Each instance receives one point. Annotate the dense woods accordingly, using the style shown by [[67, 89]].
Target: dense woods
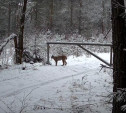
[[37, 21], [54, 20], [62, 17]]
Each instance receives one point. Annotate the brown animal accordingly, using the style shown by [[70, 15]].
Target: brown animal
[[58, 58]]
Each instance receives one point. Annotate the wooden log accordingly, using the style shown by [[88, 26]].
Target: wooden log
[[48, 54]]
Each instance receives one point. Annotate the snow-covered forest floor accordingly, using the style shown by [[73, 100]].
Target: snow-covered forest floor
[[79, 87]]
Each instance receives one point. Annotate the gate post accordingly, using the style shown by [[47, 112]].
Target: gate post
[[111, 62], [48, 54]]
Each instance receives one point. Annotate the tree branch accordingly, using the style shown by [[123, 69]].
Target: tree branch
[[12, 36]]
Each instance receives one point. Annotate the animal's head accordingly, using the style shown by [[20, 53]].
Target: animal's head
[[52, 56]]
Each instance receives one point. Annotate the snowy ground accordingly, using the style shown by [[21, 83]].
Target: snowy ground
[[79, 87]]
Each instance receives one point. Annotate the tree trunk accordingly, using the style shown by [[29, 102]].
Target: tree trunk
[[9, 18], [80, 17], [51, 14], [119, 55], [36, 15], [71, 15], [103, 13], [21, 33]]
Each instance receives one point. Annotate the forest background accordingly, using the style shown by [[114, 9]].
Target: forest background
[[58, 20]]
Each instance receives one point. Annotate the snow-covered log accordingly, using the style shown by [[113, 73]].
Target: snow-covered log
[[12, 36]]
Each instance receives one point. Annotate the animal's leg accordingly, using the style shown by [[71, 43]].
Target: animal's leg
[[56, 63], [63, 62]]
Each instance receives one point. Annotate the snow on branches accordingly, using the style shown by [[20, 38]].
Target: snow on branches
[[12, 36]]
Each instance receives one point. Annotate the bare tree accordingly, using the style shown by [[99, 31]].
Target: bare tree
[[51, 14], [103, 8], [19, 48], [80, 17], [71, 14], [9, 16]]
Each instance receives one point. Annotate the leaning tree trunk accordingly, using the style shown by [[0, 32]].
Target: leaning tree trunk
[[19, 48], [119, 55]]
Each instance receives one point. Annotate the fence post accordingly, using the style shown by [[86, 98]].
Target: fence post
[[48, 54], [111, 62]]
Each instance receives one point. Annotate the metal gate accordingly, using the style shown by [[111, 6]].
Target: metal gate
[[80, 45]]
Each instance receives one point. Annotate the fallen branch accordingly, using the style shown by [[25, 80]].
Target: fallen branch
[[12, 36], [104, 66]]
